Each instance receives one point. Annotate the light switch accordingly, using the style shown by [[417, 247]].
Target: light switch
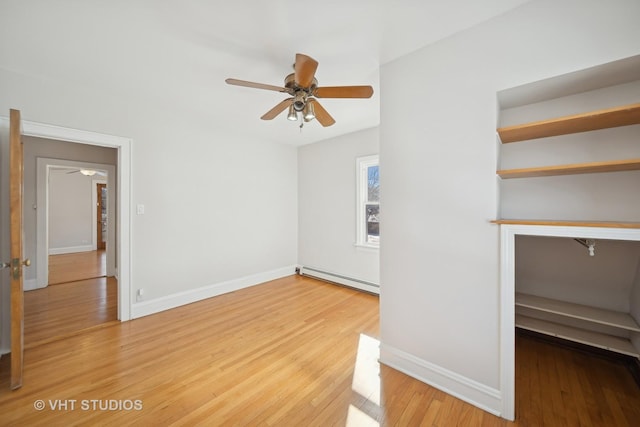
[[140, 209]]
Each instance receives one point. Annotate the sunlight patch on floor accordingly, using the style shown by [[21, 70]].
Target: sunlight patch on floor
[[358, 418], [366, 381]]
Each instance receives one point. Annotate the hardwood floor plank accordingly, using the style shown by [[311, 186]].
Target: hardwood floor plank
[[392, 385], [527, 384], [433, 409], [547, 374], [424, 401], [579, 411], [445, 417], [616, 411]]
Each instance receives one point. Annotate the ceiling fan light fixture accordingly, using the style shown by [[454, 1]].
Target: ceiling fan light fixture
[[299, 101], [309, 112], [293, 114], [87, 172]]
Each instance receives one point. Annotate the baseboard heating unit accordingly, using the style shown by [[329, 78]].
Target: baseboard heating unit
[[340, 279]]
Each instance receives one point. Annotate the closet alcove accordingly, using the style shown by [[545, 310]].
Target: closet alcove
[[568, 172]]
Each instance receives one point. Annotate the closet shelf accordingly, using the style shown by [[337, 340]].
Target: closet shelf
[[593, 120], [602, 224], [595, 339], [578, 311], [572, 169]]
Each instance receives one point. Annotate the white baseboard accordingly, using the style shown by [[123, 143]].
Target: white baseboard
[[30, 285], [340, 279], [70, 250], [486, 398], [145, 308], [4, 351]]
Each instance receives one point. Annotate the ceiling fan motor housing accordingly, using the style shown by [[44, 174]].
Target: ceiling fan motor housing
[[300, 94]]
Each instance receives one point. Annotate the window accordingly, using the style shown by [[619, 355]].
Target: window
[[368, 215]]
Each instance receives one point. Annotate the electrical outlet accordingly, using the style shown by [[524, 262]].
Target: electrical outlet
[[139, 294]]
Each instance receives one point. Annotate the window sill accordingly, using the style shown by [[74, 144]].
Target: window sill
[[366, 246]]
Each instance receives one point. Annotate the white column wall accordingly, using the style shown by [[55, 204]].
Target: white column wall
[[440, 307]]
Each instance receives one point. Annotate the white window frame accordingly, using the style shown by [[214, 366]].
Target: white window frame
[[362, 184]]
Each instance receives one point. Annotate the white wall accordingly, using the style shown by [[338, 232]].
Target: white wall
[[561, 268], [635, 305], [218, 208], [634, 295], [5, 290], [71, 218], [327, 206], [439, 261]]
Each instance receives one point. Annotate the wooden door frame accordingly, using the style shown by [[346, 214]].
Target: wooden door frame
[[95, 199], [123, 211], [16, 233]]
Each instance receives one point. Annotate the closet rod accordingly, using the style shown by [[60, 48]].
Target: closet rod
[[589, 244]]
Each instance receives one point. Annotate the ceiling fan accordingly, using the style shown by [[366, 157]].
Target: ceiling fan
[[303, 88]]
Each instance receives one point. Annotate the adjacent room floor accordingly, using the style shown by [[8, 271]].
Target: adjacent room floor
[[65, 268], [79, 297]]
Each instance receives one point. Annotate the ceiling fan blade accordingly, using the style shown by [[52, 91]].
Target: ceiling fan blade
[[344, 92], [322, 116], [305, 69], [271, 114], [244, 83]]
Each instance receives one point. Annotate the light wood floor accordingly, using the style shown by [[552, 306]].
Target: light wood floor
[[69, 308], [72, 267], [82, 298], [292, 352]]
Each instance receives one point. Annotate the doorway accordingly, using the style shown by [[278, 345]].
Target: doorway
[[122, 236], [68, 290], [508, 234], [76, 216], [121, 183], [67, 213]]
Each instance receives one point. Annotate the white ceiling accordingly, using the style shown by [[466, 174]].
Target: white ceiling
[[177, 53]]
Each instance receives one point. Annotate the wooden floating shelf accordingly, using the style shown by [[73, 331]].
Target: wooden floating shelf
[[602, 224], [578, 311], [593, 120], [572, 169], [595, 339]]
